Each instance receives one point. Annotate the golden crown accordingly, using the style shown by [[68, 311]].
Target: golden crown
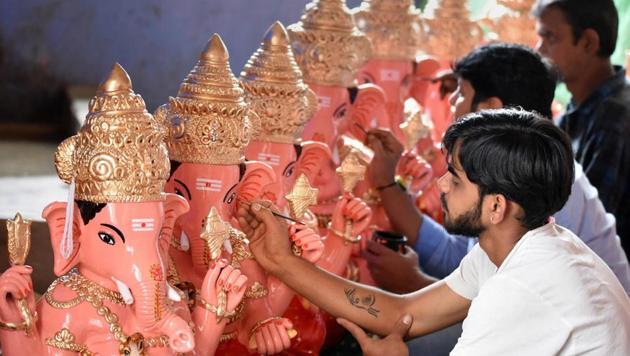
[[393, 26], [208, 121], [275, 90], [328, 47], [450, 32], [119, 154]]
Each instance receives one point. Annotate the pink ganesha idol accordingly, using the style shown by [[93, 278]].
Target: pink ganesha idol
[[329, 50], [276, 92], [395, 31], [209, 128], [109, 243]]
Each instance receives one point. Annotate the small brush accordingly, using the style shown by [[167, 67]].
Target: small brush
[[275, 214]]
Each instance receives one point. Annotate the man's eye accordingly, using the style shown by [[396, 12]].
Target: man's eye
[[106, 238]]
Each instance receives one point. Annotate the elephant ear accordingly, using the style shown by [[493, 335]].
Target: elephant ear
[[313, 157], [426, 67], [174, 207], [258, 176], [368, 109], [55, 216]]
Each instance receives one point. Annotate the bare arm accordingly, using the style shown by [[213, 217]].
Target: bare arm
[[402, 212], [432, 308], [399, 207]]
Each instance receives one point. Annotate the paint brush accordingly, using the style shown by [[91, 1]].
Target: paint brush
[[275, 214]]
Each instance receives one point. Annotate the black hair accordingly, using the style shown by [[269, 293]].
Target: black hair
[[598, 15], [513, 73], [174, 166], [298, 150], [353, 91], [518, 154], [89, 209]]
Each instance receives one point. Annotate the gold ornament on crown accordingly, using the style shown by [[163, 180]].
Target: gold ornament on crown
[[327, 45], [119, 154], [511, 21], [417, 125], [208, 122], [301, 197], [450, 32], [393, 26], [275, 90]]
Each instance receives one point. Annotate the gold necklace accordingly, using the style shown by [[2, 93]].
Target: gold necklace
[[95, 295]]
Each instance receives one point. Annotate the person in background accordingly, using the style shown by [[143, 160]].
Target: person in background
[[578, 37]]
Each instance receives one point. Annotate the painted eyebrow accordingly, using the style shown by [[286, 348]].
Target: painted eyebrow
[[228, 192], [291, 164], [185, 187], [122, 237], [339, 108], [452, 170]]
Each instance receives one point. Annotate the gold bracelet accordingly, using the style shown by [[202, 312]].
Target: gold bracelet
[[292, 333], [220, 310], [343, 235], [13, 326]]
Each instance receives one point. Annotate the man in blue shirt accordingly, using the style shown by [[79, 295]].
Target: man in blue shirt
[[578, 37], [490, 77]]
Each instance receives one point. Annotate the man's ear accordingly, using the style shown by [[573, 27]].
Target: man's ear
[[492, 102], [589, 41], [498, 208]]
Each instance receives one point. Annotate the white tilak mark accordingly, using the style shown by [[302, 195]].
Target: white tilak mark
[[124, 290]]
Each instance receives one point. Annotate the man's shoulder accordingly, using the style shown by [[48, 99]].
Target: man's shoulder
[[614, 111]]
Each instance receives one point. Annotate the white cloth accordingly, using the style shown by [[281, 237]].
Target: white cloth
[[552, 295], [585, 216]]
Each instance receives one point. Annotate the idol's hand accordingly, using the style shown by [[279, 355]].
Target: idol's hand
[[307, 242]]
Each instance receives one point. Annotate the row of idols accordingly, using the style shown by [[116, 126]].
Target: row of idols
[[147, 247]]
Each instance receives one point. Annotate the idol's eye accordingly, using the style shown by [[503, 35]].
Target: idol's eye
[[179, 192], [106, 238], [288, 172], [231, 198]]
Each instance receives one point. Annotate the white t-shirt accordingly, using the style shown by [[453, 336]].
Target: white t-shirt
[[551, 295]]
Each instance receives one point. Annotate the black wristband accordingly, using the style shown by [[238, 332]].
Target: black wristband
[[383, 187]]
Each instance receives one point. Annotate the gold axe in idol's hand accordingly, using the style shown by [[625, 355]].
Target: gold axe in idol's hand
[[19, 244], [352, 171]]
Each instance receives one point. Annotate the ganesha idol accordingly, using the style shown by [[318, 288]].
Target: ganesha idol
[[330, 50], [395, 30], [209, 127], [109, 241], [275, 90]]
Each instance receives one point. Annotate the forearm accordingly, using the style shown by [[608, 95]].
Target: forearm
[[402, 213], [368, 307], [208, 333]]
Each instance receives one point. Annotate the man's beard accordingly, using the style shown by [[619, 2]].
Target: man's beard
[[467, 224]]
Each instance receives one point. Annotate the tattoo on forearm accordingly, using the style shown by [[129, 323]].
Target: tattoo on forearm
[[366, 303]]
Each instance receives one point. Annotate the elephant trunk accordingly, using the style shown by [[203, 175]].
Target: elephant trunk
[[154, 315]]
